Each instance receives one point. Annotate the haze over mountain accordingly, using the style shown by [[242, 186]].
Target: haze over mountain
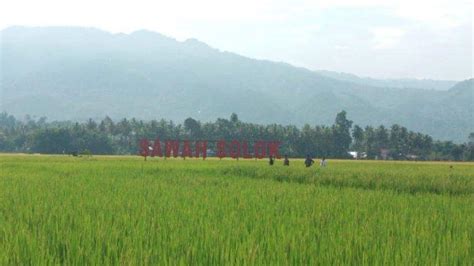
[[428, 84], [76, 73]]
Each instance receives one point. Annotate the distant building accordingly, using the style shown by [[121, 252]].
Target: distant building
[[358, 155], [210, 153]]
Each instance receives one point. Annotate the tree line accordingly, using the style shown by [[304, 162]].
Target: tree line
[[121, 137]]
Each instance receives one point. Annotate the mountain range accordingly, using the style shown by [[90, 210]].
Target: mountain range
[[73, 73]]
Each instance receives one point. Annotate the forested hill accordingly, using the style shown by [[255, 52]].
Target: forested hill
[[69, 73]]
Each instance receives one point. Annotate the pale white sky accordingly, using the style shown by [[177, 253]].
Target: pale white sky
[[382, 39]]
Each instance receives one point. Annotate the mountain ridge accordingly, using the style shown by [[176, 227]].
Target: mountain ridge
[[401, 83], [77, 73]]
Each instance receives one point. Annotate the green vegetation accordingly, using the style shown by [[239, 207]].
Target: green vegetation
[[122, 137], [110, 210]]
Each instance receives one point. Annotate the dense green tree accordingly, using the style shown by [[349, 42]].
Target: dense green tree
[[234, 118], [55, 140], [358, 136], [109, 137], [341, 135], [192, 128]]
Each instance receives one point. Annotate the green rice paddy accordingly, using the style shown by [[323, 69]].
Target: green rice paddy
[[123, 210]]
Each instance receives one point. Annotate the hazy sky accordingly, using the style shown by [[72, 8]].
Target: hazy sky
[[377, 38]]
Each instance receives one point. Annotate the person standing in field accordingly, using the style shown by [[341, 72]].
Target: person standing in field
[[309, 161], [271, 160], [286, 162], [323, 162]]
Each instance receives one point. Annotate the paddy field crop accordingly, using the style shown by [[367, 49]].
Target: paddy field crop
[[123, 210]]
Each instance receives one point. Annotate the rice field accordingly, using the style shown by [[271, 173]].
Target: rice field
[[123, 210]]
